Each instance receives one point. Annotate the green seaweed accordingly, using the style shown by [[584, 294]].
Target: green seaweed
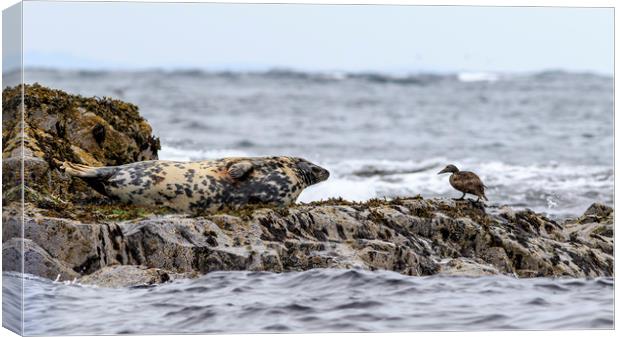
[[104, 212]]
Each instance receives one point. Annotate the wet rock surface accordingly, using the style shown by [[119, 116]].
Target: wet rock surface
[[120, 276], [35, 260], [412, 236]]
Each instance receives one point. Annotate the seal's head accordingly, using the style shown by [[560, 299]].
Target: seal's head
[[310, 173], [265, 180], [449, 169]]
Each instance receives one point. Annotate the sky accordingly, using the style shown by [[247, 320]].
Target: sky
[[317, 37]]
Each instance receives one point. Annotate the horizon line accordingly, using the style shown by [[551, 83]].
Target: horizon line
[[292, 70]]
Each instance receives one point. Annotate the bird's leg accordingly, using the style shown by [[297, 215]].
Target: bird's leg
[[480, 201]]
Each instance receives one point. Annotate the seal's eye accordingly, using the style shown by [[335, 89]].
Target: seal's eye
[[318, 172]]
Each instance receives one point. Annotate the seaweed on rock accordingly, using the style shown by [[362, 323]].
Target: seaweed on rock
[[59, 126]]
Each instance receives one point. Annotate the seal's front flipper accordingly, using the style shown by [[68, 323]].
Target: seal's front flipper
[[240, 169]]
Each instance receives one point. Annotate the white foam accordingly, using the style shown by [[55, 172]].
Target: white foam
[[477, 77], [172, 153], [338, 188]]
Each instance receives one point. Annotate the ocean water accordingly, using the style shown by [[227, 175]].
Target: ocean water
[[318, 300], [542, 141]]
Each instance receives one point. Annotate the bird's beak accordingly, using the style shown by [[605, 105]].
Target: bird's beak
[[443, 171]]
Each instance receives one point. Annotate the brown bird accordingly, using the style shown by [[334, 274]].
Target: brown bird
[[466, 182]]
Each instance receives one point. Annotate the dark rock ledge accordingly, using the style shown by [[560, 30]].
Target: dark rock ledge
[[412, 236]]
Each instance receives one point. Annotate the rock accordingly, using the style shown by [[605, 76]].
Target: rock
[[411, 236], [57, 127], [507, 212], [84, 247], [595, 228], [128, 276], [36, 260], [598, 210], [466, 267]]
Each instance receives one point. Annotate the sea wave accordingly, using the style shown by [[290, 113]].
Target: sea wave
[[372, 77], [315, 300], [478, 77]]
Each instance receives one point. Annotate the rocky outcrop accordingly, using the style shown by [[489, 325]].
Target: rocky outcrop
[[58, 126], [411, 236]]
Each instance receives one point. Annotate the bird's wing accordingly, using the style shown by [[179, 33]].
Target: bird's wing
[[471, 181]]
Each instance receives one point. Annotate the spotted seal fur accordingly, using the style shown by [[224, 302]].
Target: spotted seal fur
[[203, 185]]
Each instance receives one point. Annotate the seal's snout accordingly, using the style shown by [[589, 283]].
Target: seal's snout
[[320, 173]]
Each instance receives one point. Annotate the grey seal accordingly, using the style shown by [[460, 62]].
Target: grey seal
[[203, 185]]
